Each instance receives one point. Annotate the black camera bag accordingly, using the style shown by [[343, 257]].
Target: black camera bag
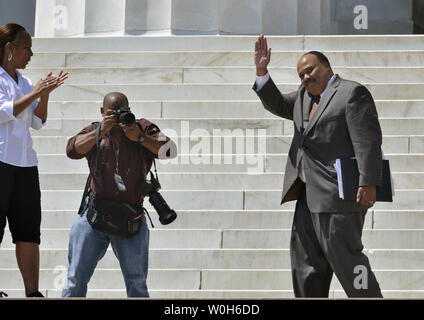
[[114, 218]]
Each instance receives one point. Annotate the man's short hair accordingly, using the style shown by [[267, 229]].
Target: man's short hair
[[321, 57]]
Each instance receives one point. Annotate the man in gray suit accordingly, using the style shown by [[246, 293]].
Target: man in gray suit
[[333, 118]]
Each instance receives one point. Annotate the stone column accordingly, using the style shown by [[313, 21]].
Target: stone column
[[45, 18], [240, 17], [69, 18], [104, 16], [309, 17], [143, 16], [194, 16], [279, 17], [60, 18]]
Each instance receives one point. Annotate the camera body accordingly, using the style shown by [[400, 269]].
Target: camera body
[[151, 188], [125, 116]]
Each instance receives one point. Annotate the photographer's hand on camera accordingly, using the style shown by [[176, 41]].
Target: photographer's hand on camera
[[85, 142], [134, 133], [109, 121]]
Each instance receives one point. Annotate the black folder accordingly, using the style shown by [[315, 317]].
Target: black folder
[[350, 181]]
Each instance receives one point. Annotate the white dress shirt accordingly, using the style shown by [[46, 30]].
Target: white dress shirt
[[15, 138]]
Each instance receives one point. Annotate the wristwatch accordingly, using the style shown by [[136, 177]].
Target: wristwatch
[[142, 135], [141, 138]]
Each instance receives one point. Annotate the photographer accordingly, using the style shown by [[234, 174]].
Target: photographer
[[127, 152]]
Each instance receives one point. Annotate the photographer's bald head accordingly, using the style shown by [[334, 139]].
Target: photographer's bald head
[[114, 101]]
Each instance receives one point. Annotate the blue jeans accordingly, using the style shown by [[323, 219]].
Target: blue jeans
[[87, 246]]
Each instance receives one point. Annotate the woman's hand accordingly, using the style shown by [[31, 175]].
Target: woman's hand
[[109, 121], [45, 86]]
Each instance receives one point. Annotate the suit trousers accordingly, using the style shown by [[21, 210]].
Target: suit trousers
[[325, 243]]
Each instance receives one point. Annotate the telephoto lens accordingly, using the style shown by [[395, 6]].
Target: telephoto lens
[[166, 214], [150, 188]]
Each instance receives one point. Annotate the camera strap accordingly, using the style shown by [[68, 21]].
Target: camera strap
[[87, 190], [99, 150], [156, 172]]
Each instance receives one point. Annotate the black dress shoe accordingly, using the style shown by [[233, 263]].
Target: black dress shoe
[[3, 294], [35, 294]]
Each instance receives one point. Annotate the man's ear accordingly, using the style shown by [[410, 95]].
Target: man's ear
[[102, 110]]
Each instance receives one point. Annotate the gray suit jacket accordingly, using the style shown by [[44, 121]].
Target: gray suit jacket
[[344, 125]]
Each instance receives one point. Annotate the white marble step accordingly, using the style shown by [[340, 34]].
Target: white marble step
[[281, 279], [141, 59], [389, 126], [198, 127], [191, 279], [416, 143], [255, 178], [233, 43], [159, 238], [107, 279], [200, 219], [248, 219], [392, 219], [240, 239], [52, 148], [282, 75], [226, 200], [392, 91], [273, 239], [211, 109], [172, 43], [91, 109], [213, 294], [270, 199], [266, 259], [186, 163], [177, 200], [179, 294], [111, 75], [390, 294], [230, 127], [255, 109]]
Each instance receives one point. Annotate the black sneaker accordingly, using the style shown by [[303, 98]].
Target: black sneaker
[[3, 294], [35, 294]]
